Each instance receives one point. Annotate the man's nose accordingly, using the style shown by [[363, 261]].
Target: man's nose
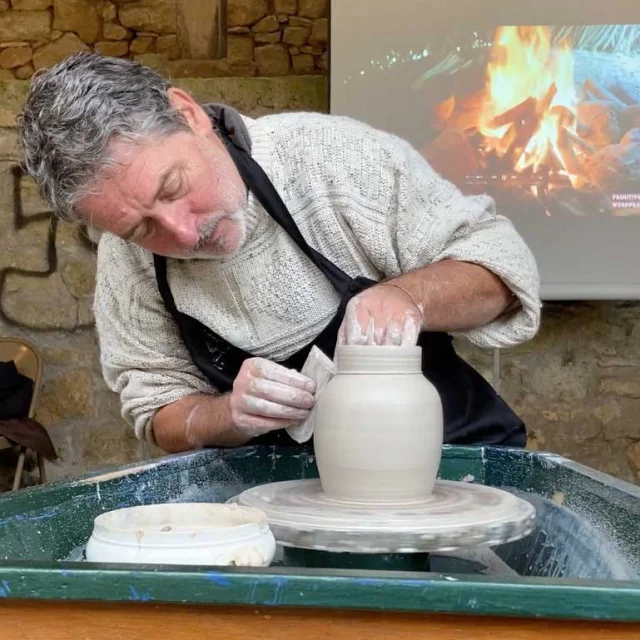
[[180, 224]]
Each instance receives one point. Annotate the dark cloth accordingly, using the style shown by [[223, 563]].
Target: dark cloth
[[16, 391], [473, 412], [28, 433]]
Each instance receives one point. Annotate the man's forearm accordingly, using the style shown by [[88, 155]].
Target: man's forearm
[[456, 296], [195, 422]]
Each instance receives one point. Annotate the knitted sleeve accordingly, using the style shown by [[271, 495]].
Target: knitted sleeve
[[142, 354], [414, 217]]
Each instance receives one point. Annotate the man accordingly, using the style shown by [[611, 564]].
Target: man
[[233, 245]]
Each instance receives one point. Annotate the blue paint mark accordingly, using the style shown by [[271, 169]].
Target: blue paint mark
[[141, 597], [378, 582], [218, 579], [280, 585], [5, 587], [21, 517], [369, 582]]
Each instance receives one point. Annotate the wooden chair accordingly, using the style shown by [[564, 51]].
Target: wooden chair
[[29, 363]]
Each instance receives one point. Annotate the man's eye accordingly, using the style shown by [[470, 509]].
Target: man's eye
[[172, 193]]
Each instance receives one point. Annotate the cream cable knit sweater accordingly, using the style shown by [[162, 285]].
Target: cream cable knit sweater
[[365, 199]]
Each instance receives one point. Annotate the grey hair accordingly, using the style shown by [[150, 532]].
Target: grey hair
[[76, 109]]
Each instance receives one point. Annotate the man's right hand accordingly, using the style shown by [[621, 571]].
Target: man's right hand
[[267, 396]]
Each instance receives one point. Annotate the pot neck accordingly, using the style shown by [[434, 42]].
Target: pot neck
[[385, 360]]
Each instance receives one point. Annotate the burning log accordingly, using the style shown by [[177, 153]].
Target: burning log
[[543, 105], [576, 139], [603, 121], [569, 159], [566, 118], [525, 110]]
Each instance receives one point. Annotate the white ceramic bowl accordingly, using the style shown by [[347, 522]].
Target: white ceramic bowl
[[183, 533]]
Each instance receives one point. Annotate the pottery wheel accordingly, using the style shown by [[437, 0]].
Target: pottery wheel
[[456, 515]]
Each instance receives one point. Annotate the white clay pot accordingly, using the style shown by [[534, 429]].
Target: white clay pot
[[185, 533], [379, 427]]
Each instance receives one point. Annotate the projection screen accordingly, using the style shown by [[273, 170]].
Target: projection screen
[[538, 105]]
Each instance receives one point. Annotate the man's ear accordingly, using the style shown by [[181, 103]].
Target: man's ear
[[191, 111]]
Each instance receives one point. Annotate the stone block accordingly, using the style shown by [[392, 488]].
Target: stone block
[[267, 25], [246, 12], [28, 26], [169, 46], [296, 21], [109, 11], [158, 16], [112, 31], [272, 60], [65, 396], [15, 57], [313, 51], [242, 68], [303, 63], [267, 38], [112, 48], [296, 36], [54, 52], [239, 49], [312, 8], [153, 60], [80, 16], [30, 5], [79, 277], [621, 387], [106, 444], [25, 72], [320, 32], [142, 45], [286, 6], [43, 303], [197, 69]]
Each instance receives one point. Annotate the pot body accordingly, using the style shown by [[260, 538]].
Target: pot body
[[183, 534], [379, 427]]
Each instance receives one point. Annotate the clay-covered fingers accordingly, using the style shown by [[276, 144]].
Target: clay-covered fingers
[[280, 393], [268, 396], [381, 316], [277, 373]]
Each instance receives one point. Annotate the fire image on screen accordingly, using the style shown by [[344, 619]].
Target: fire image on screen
[[538, 123], [542, 115]]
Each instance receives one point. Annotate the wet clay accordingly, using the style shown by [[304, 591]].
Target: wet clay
[[378, 427]]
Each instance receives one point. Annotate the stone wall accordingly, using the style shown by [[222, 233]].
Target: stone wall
[[179, 37], [47, 280]]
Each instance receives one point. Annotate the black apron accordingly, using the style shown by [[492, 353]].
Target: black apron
[[473, 411]]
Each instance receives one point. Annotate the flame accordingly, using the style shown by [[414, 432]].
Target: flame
[[530, 102]]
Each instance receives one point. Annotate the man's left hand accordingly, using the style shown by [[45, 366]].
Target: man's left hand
[[385, 315]]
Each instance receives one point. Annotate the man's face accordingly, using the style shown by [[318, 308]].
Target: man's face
[[178, 196]]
